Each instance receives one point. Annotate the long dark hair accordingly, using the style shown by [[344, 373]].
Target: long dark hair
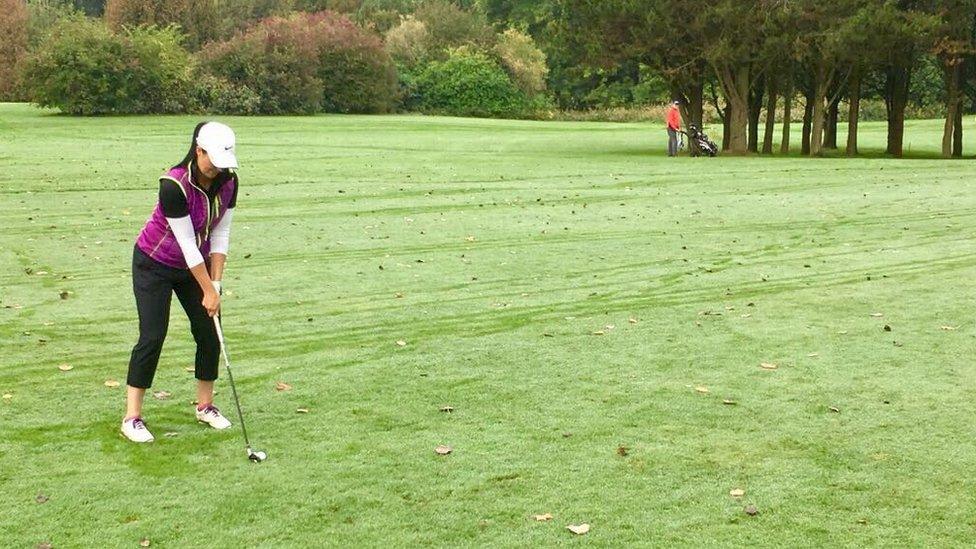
[[191, 156]]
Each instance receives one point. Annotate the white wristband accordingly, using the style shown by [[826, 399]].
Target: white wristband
[[216, 285]]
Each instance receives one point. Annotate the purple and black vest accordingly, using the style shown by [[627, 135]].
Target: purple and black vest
[[157, 240]]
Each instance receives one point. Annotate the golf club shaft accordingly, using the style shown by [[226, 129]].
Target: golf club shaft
[[230, 376]]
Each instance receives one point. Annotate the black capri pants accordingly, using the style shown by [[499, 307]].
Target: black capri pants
[[154, 285]]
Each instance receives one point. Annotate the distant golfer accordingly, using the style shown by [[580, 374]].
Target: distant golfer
[[674, 126], [182, 250]]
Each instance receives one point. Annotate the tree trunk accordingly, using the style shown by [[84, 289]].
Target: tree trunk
[[817, 119], [735, 84], [726, 128], [770, 118], [957, 136], [696, 100], [755, 112], [692, 107], [723, 115], [807, 118], [784, 147], [830, 137], [953, 104], [897, 81], [853, 114], [818, 115]]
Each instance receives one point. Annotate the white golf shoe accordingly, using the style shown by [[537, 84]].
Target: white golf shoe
[[135, 430], [212, 416]]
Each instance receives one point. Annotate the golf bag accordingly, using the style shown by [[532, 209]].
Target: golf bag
[[700, 143]]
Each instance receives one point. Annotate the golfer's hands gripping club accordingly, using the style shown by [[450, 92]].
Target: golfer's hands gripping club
[[211, 291], [211, 302]]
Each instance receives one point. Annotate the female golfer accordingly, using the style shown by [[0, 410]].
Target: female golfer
[[182, 250]]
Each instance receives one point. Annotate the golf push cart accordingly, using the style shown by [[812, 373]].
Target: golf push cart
[[699, 143]]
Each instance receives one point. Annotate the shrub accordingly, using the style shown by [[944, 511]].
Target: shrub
[[449, 26], [133, 13], [524, 62], [468, 83], [218, 96], [340, 6], [383, 15], [307, 63], [13, 45], [45, 15], [407, 42], [201, 21], [85, 68]]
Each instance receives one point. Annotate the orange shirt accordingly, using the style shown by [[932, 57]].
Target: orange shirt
[[674, 119]]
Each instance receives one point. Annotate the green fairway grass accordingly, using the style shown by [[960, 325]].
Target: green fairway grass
[[498, 252]]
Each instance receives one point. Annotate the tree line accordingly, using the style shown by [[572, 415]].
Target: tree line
[[748, 55], [750, 63]]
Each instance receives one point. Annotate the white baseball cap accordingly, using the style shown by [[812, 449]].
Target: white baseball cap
[[219, 141]]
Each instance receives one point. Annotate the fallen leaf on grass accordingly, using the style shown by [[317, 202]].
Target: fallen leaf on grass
[[189, 369], [398, 295], [632, 320], [401, 343], [443, 450], [729, 402], [842, 332], [64, 294], [768, 366], [65, 367], [111, 384], [171, 434], [542, 518], [887, 328], [702, 390], [579, 529], [282, 386], [813, 355], [144, 542], [447, 409], [7, 396], [877, 315], [44, 545], [41, 498], [737, 492], [599, 333], [301, 411], [950, 328], [751, 510], [162, 395], [834, 409], [622, 451], [470, 238]]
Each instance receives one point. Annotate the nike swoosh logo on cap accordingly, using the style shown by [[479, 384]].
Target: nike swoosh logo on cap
[[228, 148]]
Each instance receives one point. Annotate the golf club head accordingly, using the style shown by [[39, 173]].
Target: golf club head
[[256, 456]]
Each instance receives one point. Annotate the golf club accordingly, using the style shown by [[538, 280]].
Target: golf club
[[256, 456]]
